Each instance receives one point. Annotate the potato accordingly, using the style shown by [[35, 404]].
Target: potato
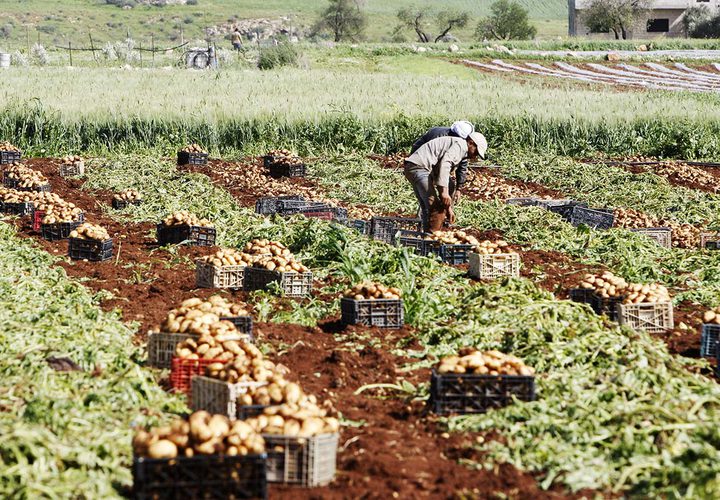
[[162, 449]]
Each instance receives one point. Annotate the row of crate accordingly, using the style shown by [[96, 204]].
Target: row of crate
[[655, 317], [276, 167]]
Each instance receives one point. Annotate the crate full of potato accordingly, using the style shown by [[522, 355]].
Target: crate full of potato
[[456, 245], [14, 202], [283, 163], [283, 271], [72, 166], [301, 443], [373, 304], [126, 198], [244, 387], [493, 259], [57, 222], [192, 154], [205, 456], [185, 227], [226, 267], [90, 242], [22, 178], [474, 381], [9, 153], [421, 243], [710, 335], [196, 318]]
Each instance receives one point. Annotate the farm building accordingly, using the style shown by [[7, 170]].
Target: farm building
[[663, 19]]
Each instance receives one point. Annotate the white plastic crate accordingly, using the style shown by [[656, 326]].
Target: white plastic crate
[[217, 396], [210, 276], [652, 317], [302, 461], [161, 348], [494, 265]]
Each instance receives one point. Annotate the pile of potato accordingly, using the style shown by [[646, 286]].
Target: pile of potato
[[229, 257], [128, 195], [489, 187], [27, 178], [360, 213], [7, 146], [72, 160], [185, 218], [248, 367], [193, 148], [470, 360], [222, 343], [712, 316], [683, 235], [201, 434], [487, 247], [280, 264], [455, 237], [216, 305], [372, 291], [278, 391], [266, 247], [87, 231], [294, 420], [12, 196], [285, 157], [56, 214], [608, 285]]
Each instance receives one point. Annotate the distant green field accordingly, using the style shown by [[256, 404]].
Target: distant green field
[[49, 23]]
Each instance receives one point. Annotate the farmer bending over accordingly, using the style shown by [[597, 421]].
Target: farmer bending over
[[429, 169]]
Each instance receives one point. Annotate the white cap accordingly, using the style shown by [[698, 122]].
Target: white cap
[[462, 128], [480, 142]]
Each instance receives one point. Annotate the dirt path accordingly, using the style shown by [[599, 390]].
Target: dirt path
[[396, 451]]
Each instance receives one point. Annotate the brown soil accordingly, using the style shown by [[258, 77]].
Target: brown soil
[[398, 452]]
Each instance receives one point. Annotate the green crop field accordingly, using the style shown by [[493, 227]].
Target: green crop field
[[625, 400]]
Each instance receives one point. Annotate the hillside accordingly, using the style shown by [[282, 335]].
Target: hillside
[[29, 21]]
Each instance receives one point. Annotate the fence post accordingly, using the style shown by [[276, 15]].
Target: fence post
[[140, 51], [152, 46], [92, 47], [70, 51]]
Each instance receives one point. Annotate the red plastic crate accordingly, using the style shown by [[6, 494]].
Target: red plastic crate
[[183, 370], [37, 219]]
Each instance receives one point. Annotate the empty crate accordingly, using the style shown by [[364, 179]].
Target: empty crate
[[301, 461], [209, 276], [652, 317], [494, 265], [195, 235]]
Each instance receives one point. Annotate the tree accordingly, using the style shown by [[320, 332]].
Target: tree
[[419, 19], [618, 16], [344, 19], [699, 22], [509, 21]]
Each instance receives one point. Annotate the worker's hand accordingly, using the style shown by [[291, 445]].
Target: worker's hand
[[446, 199], [450, 216], [456, 196]]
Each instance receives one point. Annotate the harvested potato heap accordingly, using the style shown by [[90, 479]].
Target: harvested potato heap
[[201, 434], [229, 257], [266, 247], [607, 285], [13, 196], [222, 342], [185, 218], [294, 420], [490, 187], [194, 148], [196, 316], [51, 201], [87, 231], [712, 316], [71, 160], [56, 214], [281, 264], [683, 235], [7, 146], [278, 391], [372, 291], [285, 157], [360, 213], [249, 366], [27, 178], [470, 360], [129, 195]]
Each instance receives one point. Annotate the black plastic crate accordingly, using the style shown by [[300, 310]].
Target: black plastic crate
[[607, 306], [385, 228], [383, 313], [8, 157], [271, 205], [58, 231], [595, 218], [469, 393], [522, 202], [359, 225], [244, 412], [278, 170], [194, 235], [416, 240], [120, 204], [268, 160], [583, 296], [186, 158], [21, 209], [709, 341], [341, 214], [565, 209], [292, 207], [456, 254], [243, 324], [207, 477], [92, 250]]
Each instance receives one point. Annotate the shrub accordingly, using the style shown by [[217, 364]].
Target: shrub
[[278, 56]]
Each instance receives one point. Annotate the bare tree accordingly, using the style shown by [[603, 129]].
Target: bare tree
[[419, 19], [415, 18], [618, 16], [450, 19]]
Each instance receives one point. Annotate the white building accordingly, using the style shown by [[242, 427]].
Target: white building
[[663, 19]]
